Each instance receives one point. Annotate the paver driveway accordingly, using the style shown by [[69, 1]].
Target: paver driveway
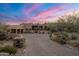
[[41, 45]]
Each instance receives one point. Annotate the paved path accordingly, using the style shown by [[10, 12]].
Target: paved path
[[41, 45]]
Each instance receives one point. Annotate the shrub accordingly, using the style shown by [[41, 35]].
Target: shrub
[[66, 23], [61, 37], [74, 36], [8, 49], [3, 36], [19, 42], [74, 43]]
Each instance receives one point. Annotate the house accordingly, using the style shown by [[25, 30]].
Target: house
[[26, 28], [16, 29]]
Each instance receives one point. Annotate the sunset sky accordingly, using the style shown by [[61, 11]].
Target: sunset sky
[[30, 12]]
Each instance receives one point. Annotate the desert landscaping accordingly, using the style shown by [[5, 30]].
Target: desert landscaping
[[50, 39]]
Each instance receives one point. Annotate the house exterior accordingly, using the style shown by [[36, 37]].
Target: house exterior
[[34, 27], [16, 29], [25, 28], [39, 27]]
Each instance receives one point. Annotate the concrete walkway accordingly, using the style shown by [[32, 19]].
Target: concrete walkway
[[41, 45]]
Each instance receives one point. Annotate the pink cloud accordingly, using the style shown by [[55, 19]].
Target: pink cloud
[[48, 14], [44, 16], [35, 6]]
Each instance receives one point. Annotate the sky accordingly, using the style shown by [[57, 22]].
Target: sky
[[16, 13]]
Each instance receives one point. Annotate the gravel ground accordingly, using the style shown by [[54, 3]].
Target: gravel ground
[[41, 45]]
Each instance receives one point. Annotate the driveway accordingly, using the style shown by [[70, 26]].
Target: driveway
[[41, 45]]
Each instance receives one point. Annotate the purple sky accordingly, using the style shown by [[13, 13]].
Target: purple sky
[[15, 13]]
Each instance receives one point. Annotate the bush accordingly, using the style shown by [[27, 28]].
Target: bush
[[3, 36], [8, 49], [74, 43], [61, 37], [74, 36], [19, 42], [66, 23], [59, 40]]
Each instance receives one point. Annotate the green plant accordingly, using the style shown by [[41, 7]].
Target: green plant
[[59, 40], [74, 43], [8, 49], [3, 36], [67, 23], [19, 42], [74, 36], [61, 37]]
